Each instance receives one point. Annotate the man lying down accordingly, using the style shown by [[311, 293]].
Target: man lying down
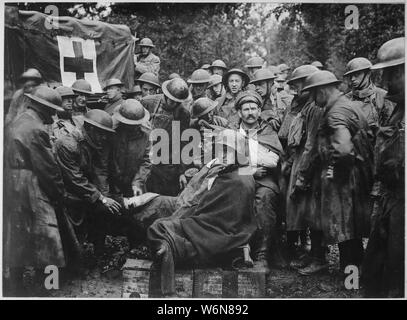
[[214, 214]]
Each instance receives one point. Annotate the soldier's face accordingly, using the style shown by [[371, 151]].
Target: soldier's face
[[198, 89], [67, 103], [216, 70], [249, 113], [297, 86], [284, 75], [261, 88], [393, 79], [217, 89], [81, 100], [145, 51], [29, 85], [321, 96], [99, 136], [113, 92], [356, 78], [148, 89], [235, 83], [171, 104]]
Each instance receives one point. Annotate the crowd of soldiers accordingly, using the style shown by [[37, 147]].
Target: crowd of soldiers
[[311, 167]]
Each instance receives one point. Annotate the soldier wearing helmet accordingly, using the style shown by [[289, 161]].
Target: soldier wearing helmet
[[83, 91], [264, 150], [299, 183], [235, 81], [218, 67], [167, 110], [199, 82], [65, 124], [375, 107], [114, 93], [85, 164], [131, 147], [345, 156], [149, 84], [215, 88], [384, 265], [33, 190], [146, 61], [30, 79]]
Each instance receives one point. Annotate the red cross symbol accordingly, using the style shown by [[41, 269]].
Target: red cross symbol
[[78, 64]]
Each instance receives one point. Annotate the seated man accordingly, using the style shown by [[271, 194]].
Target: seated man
[[84, 164], [264, 150], [214, 215]]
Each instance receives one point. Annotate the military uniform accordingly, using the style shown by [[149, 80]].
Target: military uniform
[[131, 161], [33, 188], [226, 109], [150, 63], [164, 178]]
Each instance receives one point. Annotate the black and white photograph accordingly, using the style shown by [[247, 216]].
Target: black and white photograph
[[203, 151]]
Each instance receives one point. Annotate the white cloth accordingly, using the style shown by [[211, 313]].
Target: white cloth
[[259, 155]]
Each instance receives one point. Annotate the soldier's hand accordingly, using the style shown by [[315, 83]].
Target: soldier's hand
[[182, 181], [113, 206], [137, 191], [260, 172]]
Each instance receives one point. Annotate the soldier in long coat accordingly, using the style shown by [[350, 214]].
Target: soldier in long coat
[[33, 189], [384, 265], [146, 61], [346, 167]]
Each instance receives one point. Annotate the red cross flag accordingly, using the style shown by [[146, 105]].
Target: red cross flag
[[67, 49]]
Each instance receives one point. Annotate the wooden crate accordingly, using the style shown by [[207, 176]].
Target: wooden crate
[[141, 280]]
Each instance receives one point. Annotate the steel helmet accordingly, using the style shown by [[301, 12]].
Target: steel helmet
[[173, 76], [391, 53], [202, 106], [150, 78], [357, 64], [248, 96], [100, 119], [82, 86], [176, 89], [254, 62], [112, 82], [146, 42], [132, 112], [218, 64], [263, 75], [215, 79], [320, 78], [206, 66], [244, 76], [200, 76], [31, 74], [47, 97], [65, 91], [283, 67], [302, 72], [317, 64]]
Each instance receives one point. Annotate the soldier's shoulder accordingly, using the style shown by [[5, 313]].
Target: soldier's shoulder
[[154, 58], [68, 142]]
